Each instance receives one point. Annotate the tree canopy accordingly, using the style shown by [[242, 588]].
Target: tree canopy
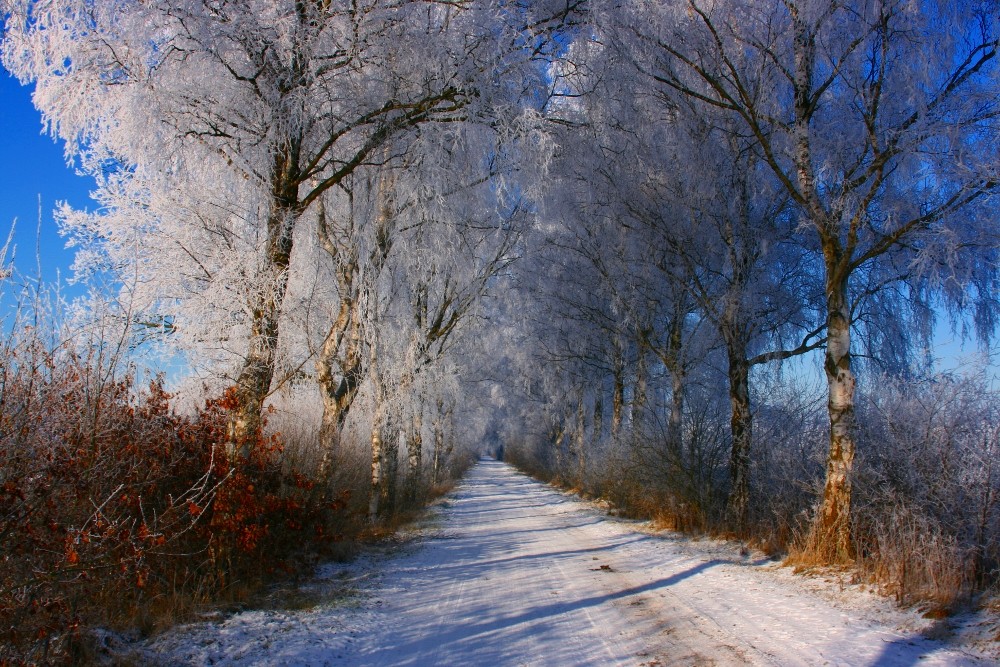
[[610, 222]]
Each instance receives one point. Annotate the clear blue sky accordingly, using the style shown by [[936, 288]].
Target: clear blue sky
[[33, 165]]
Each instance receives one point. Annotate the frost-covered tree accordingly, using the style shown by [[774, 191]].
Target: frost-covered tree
[[248, 113], [878, 119], [438, 248], [437, 265], [691, 219], [732, 237], [291, 96]]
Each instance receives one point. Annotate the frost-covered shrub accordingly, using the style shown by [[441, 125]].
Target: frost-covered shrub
[[927, 513], [680, 484], [791, 433]]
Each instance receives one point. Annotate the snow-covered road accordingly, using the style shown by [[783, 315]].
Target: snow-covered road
[[516, 573]]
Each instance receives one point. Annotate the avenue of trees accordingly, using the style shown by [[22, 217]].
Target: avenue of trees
[[689, 255]]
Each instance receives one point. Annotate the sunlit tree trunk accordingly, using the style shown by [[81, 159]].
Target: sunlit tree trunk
[[254, 379], [379, 454], [831, 539], [378, 464]]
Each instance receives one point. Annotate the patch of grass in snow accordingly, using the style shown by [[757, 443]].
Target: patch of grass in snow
[[304, 598]]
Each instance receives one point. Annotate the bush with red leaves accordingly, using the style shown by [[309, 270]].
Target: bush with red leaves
[[109, 499]]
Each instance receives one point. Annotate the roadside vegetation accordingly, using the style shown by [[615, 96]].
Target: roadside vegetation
[[926, 521], [121, 512]]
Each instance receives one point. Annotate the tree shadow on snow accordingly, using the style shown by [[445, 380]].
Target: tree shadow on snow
[[914, 649], [531, 621], [473, 566]]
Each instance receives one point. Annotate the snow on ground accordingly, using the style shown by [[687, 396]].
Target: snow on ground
[[512, 572]]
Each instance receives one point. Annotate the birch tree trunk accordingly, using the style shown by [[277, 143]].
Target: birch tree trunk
[[335, 392], [438, 456], [580, 442], [672, 358], [378, 449], [338, 391], [617, 398], [830, 539], [741, 429], [378, 463], [735, 333], [414, 454], [254, 379]]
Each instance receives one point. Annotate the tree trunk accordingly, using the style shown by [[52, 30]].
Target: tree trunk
[[674, 362], [830, 539], [675, 419], [639, 391], [580, 443], [438, 429], [385, 454], [414, 454], [442, 447], [741, 428], [556, 438], [390, 461], [329, 429], [617, 399], [378, 448], [254, 380], [338, 391], [378, 465]]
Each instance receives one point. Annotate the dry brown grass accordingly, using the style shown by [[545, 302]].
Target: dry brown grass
[[915, 561]]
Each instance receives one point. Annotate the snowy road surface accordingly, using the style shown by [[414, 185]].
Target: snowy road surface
[[516, 573]]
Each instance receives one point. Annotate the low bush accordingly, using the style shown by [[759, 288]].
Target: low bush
[[927, 510], [117, 511]]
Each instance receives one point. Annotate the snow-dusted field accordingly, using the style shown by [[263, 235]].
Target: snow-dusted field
[[512, 572]]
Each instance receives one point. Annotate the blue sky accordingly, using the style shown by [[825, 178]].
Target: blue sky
[[33, 165]]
